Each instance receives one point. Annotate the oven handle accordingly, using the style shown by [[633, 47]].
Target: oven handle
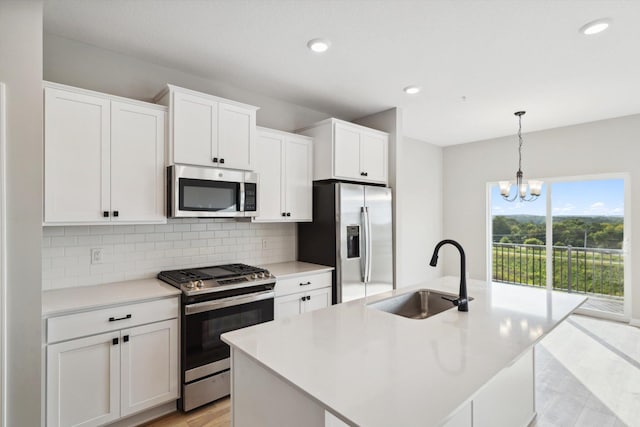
[[227, 302]]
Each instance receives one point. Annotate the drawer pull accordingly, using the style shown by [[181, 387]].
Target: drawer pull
[[125, 338], [305, 284], [115, 319], [114, 341]]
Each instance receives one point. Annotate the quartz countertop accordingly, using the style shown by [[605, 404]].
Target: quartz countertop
[[374, 368], [295, 268], [69, 300]]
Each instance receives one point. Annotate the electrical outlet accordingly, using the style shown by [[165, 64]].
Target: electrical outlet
[[264, 244], [96, 256]]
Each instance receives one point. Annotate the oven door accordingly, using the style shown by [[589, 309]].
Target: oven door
[[204, 322]]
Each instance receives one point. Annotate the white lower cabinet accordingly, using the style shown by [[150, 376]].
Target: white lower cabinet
[[302, 294], [94, 380]]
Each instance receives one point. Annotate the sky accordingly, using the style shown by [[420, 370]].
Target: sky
[[571, 198]]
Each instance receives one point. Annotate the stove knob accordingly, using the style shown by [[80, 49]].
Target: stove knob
[[254, 276], [262, 275], [191, 285], [199, 284], [267, 274]]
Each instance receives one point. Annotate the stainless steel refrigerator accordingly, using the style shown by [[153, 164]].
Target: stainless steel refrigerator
[[351, 231]]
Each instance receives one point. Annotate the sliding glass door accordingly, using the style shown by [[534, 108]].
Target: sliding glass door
[[571, 239]]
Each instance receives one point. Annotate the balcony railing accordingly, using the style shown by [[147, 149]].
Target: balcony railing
[[591, 271]]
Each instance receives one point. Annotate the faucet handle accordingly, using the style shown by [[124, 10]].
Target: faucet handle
[[455, 301]]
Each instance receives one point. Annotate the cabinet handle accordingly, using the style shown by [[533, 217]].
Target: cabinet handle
[[105, 214], [116, 213], [364, 173], [215, 160], [288, 213], [115, 319], [303, 298], [221, 160], [125, 338], [114, 341], [305, 284], [284, 214]]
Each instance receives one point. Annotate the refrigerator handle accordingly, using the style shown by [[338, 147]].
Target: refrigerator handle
[[365, 239], [369, 246]]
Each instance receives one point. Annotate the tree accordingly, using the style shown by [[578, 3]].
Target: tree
[[533, 241]]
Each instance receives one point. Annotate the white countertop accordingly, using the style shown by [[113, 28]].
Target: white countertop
[[69, 300], [295, 268], [378, 369]]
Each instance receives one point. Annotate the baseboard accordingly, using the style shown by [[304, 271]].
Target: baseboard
[[635, 322], [143, 417]]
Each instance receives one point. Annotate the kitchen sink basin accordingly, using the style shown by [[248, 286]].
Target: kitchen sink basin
[[416, 305]]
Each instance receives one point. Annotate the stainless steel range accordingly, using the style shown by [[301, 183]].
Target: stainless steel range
[[216, 300]]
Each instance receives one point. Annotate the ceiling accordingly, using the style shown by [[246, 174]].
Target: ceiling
[[477, 61]]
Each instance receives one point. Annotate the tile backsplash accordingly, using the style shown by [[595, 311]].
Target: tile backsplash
[[141, 251]]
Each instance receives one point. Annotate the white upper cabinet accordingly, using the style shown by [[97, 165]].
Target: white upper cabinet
[[137, 163], [103, 158], [347, 151], [284, 164], [206, 130], [195, 126], [76, 157]]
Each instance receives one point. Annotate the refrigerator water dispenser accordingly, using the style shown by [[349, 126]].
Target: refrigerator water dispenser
[[353, 241]]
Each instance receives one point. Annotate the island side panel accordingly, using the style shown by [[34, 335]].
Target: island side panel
[[508, 400], [260, 398]]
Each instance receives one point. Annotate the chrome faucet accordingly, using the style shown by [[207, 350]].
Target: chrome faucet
[[462, 300]]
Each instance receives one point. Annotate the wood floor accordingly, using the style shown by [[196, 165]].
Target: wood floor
[[217, 414]]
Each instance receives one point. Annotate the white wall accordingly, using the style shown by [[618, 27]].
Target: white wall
[[141, 251], [419, 210], [21, 71], [605, 146], [89, 67]]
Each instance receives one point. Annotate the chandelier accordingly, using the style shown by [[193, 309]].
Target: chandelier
[[534, 187]]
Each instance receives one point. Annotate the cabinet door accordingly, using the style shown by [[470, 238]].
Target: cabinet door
[[373, 156], [137, 163], [320, 298], [149, 366], [195, 129], [76, 157], [290, 305], [269, 155], [298, 179], [508, 398], [346, 157], [236, 135], [83, 381]]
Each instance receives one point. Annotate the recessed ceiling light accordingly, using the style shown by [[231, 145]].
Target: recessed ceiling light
[[595, 27], [319, 45], [411, 90]]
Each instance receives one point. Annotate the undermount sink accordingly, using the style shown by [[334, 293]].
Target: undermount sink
[[417, 305]]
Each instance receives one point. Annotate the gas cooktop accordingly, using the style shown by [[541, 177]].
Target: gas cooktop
[[193, 281]]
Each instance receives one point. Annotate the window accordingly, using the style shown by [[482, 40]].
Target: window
[[570, 239]]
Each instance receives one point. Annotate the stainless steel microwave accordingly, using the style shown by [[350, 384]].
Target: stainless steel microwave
[[194, 191]]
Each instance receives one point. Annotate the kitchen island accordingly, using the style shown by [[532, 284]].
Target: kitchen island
[[355, 365]]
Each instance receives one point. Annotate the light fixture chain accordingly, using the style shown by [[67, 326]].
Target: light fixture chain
[[520, 142]]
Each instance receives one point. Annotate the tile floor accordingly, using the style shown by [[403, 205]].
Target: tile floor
[[588, 374]]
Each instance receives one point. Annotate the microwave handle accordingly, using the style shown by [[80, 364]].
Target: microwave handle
[[241, 197]]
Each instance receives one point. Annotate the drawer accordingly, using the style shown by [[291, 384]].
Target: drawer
[[304, 283], [109, 319]]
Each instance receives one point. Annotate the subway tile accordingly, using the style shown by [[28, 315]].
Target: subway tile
[[182, 227], [78, 230], [52, 252], [189, 235], [113, 238], [173, 236], [145, 228], [59, 241], [89, 240], [101, 229], [207, 234], [134, 238], [164, 228], [52, 231], [198, 227], [214, 226]]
